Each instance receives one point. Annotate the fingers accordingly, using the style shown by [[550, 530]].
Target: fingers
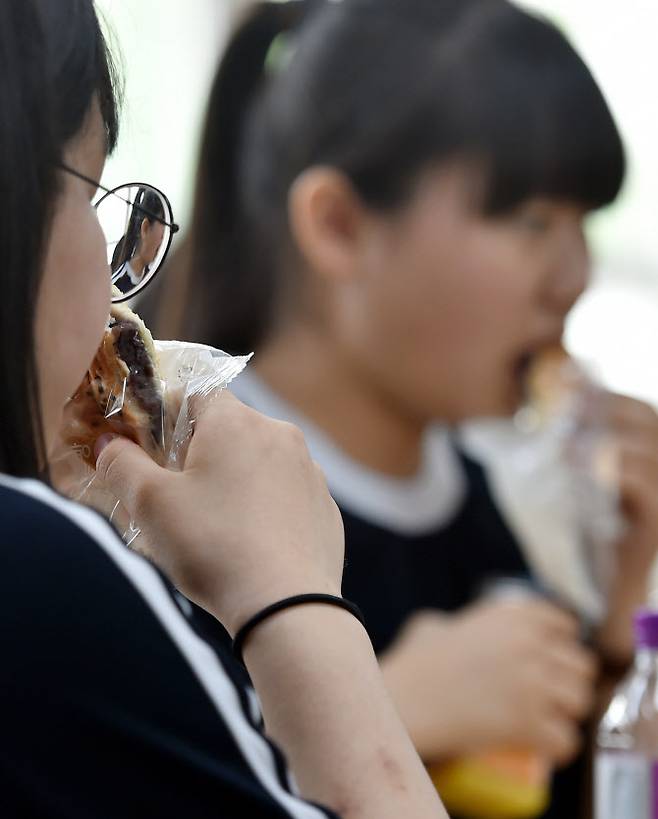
[[556, 738], [572, 661], [573, 699], [199, 404], [635, 433], [556, 621], [571, 687], [635, 428], [224, 425], [129, 473], [556, 677], [542, 620], [638, 474], [628, 414], [563, 697], [216, 420]]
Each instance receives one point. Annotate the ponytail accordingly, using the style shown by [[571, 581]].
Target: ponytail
[[212, 266], [380, 90]]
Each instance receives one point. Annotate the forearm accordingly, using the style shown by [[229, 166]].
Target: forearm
[[399, 678], [614, 636], [326, 705]]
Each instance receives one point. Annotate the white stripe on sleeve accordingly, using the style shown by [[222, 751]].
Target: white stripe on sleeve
[[200, 657]]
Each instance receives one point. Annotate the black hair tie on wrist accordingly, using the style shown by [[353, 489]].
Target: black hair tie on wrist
[[289, 602]]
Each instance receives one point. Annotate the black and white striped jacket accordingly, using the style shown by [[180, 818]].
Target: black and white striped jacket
[[112, 704]]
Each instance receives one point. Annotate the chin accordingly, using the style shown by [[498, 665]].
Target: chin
[[507, 409], [500, 406]]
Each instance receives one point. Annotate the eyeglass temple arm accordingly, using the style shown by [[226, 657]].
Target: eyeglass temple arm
[[172, 225]]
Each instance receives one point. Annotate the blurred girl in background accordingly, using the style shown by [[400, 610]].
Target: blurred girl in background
[[390, 211]]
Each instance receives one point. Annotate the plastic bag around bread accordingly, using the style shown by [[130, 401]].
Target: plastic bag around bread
[[149, 401]]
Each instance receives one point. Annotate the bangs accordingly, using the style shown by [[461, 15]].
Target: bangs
[[498, 89], [541, 125]]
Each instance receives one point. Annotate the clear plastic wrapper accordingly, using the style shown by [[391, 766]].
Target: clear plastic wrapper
[[186, 373], [577, 436], [555, 473]]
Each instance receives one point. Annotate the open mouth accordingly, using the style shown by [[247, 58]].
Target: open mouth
[[548, 379], [522, 370]]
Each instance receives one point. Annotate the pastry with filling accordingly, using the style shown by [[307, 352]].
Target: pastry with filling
[[553, 381], [122, 392], [549, 380]]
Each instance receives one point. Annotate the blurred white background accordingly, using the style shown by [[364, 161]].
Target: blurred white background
[[615, 326], [170, 50]]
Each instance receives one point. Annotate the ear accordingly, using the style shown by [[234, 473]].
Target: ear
[[328, 222], [144, 229]]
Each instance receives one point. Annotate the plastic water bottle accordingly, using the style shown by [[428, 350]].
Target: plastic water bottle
[[626, 770]]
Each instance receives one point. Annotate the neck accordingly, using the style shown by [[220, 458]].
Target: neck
[[308, 372], [137, 264]]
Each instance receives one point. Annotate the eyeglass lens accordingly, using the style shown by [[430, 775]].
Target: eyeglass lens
[[134, 220]]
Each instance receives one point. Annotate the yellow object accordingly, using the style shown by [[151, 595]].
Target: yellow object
[[494, 785]]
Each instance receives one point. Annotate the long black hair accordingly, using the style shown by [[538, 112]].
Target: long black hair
[[147, 206], [379, 89], [53, 62]]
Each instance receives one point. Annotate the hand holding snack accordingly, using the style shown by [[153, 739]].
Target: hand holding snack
[[122, 393], [141, 390], [249, 519], [627, 460], [242, 520], [634, 427], [539, 680]]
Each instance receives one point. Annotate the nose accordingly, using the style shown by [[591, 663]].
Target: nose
[[570, 270]]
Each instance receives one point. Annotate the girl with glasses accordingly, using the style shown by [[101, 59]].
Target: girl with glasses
[[113, 703]]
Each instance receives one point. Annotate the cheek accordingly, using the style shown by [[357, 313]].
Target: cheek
[[154, 241], [486, 289], [460, 293], [446, 309], [73, 306]]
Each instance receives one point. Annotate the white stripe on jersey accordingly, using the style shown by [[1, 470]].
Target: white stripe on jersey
[[198, 654]]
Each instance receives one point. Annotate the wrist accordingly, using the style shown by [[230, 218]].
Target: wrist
[[636, 554], [293, 635], [614, 636], [246, 630], [413, 703], [234, 609], [626, 595]]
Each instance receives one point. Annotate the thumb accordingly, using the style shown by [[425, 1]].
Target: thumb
[[127, 471]]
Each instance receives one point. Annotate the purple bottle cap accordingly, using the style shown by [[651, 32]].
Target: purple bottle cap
[[646, 629]]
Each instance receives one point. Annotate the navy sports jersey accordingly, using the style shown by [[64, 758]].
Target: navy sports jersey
[[111, 703], [429, 541], [391, 575]]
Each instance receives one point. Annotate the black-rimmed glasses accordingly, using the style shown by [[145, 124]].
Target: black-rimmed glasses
[[138, 224]]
